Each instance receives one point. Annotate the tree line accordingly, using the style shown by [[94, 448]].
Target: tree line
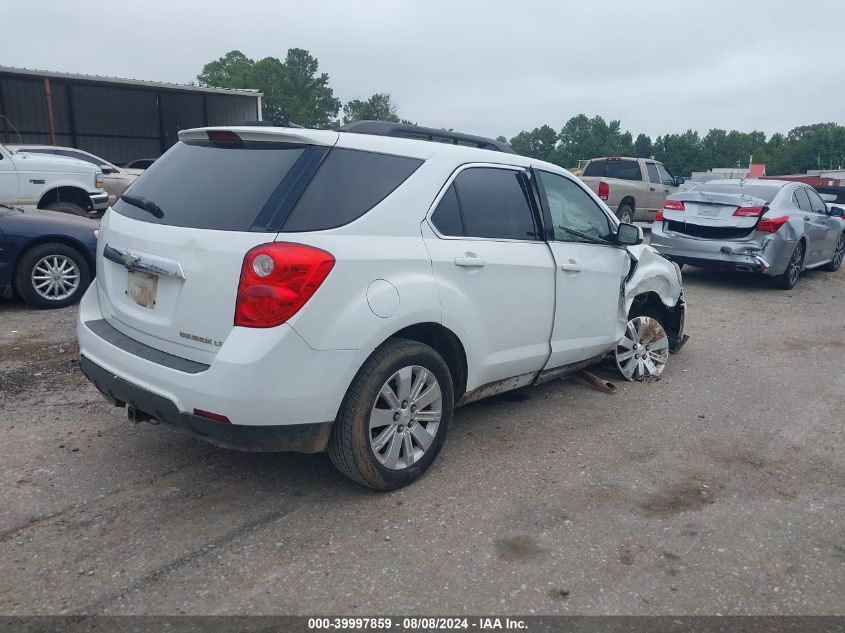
[[295, 91]]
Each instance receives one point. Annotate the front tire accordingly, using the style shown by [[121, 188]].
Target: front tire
[[394, 418], [834, 264], [625, 214], [789, 277], [51, 275], [64, 206]]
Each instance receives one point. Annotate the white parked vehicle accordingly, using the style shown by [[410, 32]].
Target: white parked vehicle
[[313, 290], [51, 182]]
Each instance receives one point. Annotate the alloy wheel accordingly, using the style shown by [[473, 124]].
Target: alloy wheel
[[405, 417], [644, 350], [55, 277], [795, 263], [839, 253]]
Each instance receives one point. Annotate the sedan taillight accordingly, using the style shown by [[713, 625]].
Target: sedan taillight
[[771, 225], [749, 212], [673, 205], [277, 279]]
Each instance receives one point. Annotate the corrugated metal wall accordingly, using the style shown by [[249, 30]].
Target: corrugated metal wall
[[118, 124]]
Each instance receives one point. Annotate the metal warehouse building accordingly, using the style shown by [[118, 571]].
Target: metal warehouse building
[[117, 119]]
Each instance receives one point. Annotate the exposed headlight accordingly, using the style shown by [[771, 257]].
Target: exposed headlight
[[98, 180]]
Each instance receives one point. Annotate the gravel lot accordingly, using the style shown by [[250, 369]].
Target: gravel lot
[[718, 489]]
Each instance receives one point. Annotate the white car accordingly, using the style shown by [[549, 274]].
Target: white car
[[51, 182], [279, 289]]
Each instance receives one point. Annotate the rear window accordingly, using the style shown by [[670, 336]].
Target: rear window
[[349, 183], [621, 169], [755, 191], [265, 186], [201, 186]]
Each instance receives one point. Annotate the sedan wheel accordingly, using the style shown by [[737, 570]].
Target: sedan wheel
[[644, 350], [55, 277], [405, 417], [838, 255], [51, 275]]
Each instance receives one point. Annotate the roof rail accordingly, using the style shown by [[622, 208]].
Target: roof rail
[[402, 130]]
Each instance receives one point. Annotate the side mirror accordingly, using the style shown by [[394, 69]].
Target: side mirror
[[836, 212], [629, 235], [679, 181]]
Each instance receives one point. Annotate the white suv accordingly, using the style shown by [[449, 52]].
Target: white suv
[[278, 289]]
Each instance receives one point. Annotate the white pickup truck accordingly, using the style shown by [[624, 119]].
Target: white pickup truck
[[633, 188], [51, 182]]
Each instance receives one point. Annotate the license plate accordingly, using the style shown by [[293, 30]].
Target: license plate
[[142, 288], [709, 213]]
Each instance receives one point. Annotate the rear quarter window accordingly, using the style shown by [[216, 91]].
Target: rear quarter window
[[348, 184], [595, 168]]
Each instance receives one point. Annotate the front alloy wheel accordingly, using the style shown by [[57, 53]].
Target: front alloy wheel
[[838, 255], [644, 350]]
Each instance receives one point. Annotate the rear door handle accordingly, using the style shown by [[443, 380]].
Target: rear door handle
[[571, 266], [470, 260]]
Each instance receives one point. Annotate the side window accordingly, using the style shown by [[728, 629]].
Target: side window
[[494, 204], [571, 207], [665, 177], [801, 199], [816, 203], [447, 216], [348, 184], [653, 175], [623, 170]]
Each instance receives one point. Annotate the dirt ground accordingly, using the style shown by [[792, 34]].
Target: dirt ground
[[718, 489]]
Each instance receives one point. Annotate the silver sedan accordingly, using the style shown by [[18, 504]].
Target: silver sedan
[[773, 227]]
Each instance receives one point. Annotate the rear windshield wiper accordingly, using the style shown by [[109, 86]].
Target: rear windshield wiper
[[142, 203], [589, 238]]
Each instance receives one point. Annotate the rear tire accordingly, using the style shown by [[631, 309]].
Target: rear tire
[[625, 214], [51, 275], [834, 264], [789, 277], [382, 445], [64, 206]]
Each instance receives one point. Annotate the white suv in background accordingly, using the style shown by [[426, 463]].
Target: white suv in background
[[277, 289]]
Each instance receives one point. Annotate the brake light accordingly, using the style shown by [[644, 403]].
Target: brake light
[[613, 158], [604, 190], [749, 212], [277, 279], [673, 205], [771, 225], [226, 137], [658, 217]]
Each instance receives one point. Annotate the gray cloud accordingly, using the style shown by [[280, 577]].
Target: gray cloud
[[485, 66]]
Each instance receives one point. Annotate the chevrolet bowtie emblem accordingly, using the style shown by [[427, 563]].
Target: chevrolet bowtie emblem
[[129, 258]]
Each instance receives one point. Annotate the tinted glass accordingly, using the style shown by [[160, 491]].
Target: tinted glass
[[623, 170], [653, 176], [494, 204], [447, 215], [801, 199], [755, 191], [348, 184], [206, 187], [665, 176], [595, 168], [571, 207], [816, 203], [839, 192]]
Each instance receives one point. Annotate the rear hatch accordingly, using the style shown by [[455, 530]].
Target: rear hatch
[[715, 216], [172, 249]]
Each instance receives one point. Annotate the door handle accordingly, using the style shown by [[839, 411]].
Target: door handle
[[470, 260], [807, 217], [571, 266], [651, 188]]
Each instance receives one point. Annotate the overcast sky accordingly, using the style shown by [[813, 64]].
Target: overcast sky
[[482, 66]]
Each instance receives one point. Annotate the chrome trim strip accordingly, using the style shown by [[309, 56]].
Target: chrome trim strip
[[134, 260]]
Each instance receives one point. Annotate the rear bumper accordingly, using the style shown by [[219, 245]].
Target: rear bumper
[[769, 255], [144, 405], [99, 199]]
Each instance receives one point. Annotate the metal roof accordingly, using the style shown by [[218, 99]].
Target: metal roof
[[143, 83]]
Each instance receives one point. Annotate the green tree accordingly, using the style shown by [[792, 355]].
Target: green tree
[[540, 143], [643, 147], [293, 89], [379, 107]]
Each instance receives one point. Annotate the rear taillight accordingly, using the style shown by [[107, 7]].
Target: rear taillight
[[208, 415], [771, 225], [749, 212], [277, 279], [224, 138], [673, 205], [658, 217], [604, 190]]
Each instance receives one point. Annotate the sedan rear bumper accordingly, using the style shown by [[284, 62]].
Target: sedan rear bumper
[[769, 255]]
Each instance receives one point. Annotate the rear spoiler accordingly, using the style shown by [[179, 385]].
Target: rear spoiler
[[265, 134]]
